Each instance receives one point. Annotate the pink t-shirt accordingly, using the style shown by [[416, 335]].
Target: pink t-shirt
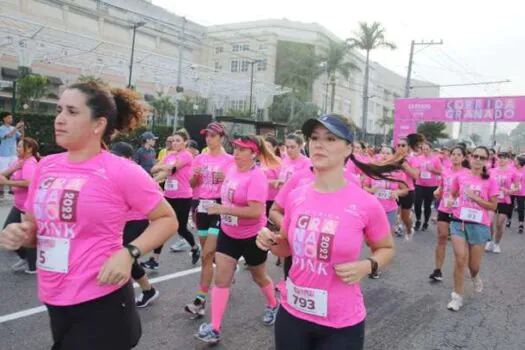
[[272, 174], [426, 177], [521, 177], [447, 180], [466, 209], [413, 162], [238, 189], [290, 167], [80, 210], [352, 168], [385, 188], [505, 177], [25, 173], [209, 185], [447, 163], [325, 229], [178, 185]]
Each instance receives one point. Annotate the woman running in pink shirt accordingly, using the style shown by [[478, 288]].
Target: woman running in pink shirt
[[242, 210], [76, 208], [325, 225], [474, 195]]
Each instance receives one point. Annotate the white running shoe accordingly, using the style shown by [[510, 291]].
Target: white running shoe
[[489, 247], [497, 248], [478, 284], [409, 236], [20, 265], [180, 246], [456, 303]]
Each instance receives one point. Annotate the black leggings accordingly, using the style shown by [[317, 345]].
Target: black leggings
[[28, 254], [292, 333], [110, 322], [520, 201], [132, 230], [182, 208], [424, 196]]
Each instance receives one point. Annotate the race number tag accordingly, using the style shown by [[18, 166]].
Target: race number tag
[[230, 220], [425, 175], [383, 194], [308, 300], [204, 204], [501, 195], [472, 215], [171, 185], [53, 254]]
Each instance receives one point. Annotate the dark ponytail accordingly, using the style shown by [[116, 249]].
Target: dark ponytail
[[378, 171]]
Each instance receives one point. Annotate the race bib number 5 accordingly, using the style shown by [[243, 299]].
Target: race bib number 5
[[53, 254], [308, 300]]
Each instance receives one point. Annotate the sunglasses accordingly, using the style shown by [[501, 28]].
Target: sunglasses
[[402, 145], [477, 156]]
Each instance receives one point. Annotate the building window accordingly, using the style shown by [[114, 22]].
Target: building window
[[244, 66], [237, 104], [219, 50], [235, 66], [245, 47], [263, 47], [240, 47], [217, 66], [219, 111], [236, 48], [262, 65]]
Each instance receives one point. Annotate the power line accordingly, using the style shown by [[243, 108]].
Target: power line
[[411, 61], [468, 84]]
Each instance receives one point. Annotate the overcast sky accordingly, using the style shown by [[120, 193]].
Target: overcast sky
[[481, 42]]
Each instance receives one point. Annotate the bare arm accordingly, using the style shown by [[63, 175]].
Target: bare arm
[[254, 210]]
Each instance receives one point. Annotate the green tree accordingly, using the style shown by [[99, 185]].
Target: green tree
[[297, 68], [476, 138], [386, 124], [279, 111], [335, 60], [237, 113], [30, 89], [433, 131], [369, 38], [163, 106], [87, 78]]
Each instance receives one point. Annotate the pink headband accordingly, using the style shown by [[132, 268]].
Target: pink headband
[[247, 144]]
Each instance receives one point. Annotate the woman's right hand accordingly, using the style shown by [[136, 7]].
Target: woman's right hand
[[14, 236], [266, 239]]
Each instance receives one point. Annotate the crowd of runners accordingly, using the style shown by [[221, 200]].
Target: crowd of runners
[[86, 220]]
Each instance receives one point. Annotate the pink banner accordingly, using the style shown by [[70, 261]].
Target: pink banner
[[408, 112]]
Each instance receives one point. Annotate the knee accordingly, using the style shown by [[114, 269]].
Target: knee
[[260, 279], [460, 261], [207, 256]]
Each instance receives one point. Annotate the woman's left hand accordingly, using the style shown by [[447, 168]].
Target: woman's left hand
[[353, 272], [215, 209], [117, 269]]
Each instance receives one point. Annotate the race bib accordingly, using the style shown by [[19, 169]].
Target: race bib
[[53, 254], [472, 215], [230, 220], [425, 175], [171, 185], [383, 194], [204, 204], [501, 195], [452, 203], [308, 300]]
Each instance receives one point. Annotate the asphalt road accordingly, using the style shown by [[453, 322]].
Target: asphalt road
[[405, 311]]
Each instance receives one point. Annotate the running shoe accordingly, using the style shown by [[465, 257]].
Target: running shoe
[[436, 276], [417, 226], [425, 226], [197, 308], [520, 230], [180, 246], [478, 284], [508, 224], [456, 303], [146, 297], [497, 248], [270, 315], [207, 334], [151, 264], [278, 262], [399, 230], [375, 275], [20, 265], [30, 271], [489, 247], [409, 236], [195, 255]]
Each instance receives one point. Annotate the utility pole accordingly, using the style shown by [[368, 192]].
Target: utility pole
[[251, 87], [413, 44], [179, 89], [135, 26]]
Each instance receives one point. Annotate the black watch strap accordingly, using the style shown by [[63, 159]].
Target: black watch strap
[[375, 266], [133, 251]]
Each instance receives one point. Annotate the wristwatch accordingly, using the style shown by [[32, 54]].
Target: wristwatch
[[374, 264], [133, 251]]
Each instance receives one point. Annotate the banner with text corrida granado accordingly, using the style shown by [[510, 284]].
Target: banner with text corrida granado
[[408, 112]]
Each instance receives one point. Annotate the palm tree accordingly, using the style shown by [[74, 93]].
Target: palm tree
[[336, 63], [385, 123], [368, 38], [164, 106], [87, 78]]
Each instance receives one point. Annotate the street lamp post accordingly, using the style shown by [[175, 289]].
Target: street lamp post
[[251, 87], [135, 26]]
